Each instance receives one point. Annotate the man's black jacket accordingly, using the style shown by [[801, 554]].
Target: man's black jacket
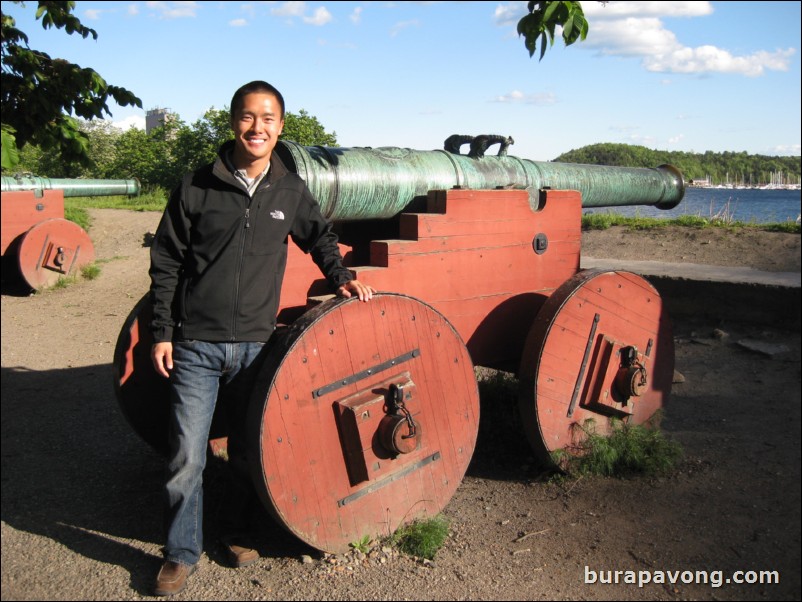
[[218, 257]]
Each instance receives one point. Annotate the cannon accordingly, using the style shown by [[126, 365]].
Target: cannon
[[35, 236], [365, 415]]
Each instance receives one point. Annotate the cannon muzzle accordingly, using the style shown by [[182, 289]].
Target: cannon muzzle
[[371, 183], [72, 187]]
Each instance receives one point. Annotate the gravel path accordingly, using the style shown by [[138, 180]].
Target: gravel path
[[81, 493]]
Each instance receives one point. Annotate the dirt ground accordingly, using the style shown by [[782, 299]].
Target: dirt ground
[[81, 493]]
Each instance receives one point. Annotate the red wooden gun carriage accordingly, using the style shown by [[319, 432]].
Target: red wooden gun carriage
[[37, 243], [365, 415]]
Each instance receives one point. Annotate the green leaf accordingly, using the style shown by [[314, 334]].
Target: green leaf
[[543, 19], [569, 25], [9, 152], [583, 28], [550, 8]]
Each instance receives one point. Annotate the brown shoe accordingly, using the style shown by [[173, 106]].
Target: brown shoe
[[172, 578], [239, 556]]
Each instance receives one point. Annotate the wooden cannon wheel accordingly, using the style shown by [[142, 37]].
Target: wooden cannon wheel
[[364, 417], [600, 349], [53, 249], [143, 395]]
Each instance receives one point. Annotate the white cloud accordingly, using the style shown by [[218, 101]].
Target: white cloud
[[132, 121], [509, 13], [676, 139], [616, 10], [356, 16], [539, 99], [647, 141], [515, 95], [623, 129], [402, 25], [238, 22], [173, 10], [631, 36], [133, 10], [786, 149], [92, 14], [646, 37], [709, 59], [635, 29], [320, 17], [290, 9]]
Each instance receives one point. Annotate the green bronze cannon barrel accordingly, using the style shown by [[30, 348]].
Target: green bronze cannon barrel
[[370, 183], [72, 187]]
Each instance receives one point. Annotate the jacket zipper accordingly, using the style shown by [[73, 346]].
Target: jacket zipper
[[237, 275]]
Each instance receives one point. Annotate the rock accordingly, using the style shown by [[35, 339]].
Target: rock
[[769, 349]]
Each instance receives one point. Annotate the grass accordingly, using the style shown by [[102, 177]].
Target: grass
[[421, 538], [362, 545], [87, 272], [629, 450], [603, 221], [75, 208]]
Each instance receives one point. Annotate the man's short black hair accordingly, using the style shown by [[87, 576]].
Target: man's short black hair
[[254, 86]]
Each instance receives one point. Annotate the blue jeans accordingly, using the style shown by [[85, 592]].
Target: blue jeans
[[201, 370]]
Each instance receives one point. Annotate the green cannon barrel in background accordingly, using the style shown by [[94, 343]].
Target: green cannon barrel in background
[[370, 183], [71, 187]]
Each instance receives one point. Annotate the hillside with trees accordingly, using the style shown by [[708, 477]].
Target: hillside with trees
[[716, 168]]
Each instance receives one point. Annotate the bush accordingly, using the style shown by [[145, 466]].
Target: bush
[[422, 538], [629, 450]]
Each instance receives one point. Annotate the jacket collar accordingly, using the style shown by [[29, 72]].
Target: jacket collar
[[220, 168]]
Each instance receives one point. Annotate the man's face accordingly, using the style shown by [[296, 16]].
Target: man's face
[[257, 126]]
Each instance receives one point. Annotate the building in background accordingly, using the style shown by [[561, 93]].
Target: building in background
[[157, 117]]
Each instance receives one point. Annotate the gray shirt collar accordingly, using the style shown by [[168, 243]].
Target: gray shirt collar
[[241, 175]]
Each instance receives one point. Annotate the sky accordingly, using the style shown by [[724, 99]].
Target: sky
[[687, 76]]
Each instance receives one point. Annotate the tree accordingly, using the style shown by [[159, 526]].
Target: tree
[[306, 130], [141, 156], [101, 151], [747, 169], [197, 145], [163, 156], [103, 137], [41, 94], [543, 19]]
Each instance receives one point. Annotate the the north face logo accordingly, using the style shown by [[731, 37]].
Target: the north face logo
[[277, 214]]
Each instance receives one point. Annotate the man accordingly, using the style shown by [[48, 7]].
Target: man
[[217, 264]]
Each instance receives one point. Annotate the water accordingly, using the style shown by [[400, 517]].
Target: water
[[746, 205]]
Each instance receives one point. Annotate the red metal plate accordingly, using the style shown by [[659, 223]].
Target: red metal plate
[[574, 352], [53, 249], [317, 410]]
